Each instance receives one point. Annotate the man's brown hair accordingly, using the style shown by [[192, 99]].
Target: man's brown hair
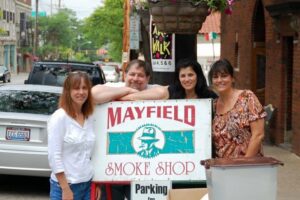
[[72, 81]]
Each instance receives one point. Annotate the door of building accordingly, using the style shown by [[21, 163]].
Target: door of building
[[288, 49], [259, 72]]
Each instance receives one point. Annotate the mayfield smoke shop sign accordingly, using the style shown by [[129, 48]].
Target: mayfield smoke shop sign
[[152, 140]]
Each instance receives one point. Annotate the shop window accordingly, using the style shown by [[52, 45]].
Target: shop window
[[4, 14], [7, 16]]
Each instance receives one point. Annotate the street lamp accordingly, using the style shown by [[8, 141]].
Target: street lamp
[[35, 42]]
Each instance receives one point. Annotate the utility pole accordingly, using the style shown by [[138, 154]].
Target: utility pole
[[51, 7], [35, 45], [125, 51]]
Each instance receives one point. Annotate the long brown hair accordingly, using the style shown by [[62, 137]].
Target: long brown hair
[[72, 81]]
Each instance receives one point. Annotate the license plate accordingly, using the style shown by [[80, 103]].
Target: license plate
[[19, 134]]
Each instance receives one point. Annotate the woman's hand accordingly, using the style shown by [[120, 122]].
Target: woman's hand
[[98, 192], [67, 193]]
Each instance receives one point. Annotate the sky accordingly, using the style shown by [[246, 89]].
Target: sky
[[83, 8]]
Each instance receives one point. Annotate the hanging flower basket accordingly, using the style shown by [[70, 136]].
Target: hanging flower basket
[[178, 16]]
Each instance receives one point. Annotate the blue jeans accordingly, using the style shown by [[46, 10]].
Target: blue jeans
[[81, 191]]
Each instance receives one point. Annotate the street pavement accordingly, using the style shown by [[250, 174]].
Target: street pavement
[[18, 78], [288, 175]]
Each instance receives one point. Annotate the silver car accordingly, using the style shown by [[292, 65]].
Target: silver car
[[24, 111], [111, 72], [5, 75]]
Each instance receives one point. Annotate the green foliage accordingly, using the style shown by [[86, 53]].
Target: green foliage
[[81, 57], [2, 30], [56, 33], [26, 49], [105, 27], [215, 5]]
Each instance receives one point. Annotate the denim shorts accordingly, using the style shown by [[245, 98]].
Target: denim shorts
[[81, 191]]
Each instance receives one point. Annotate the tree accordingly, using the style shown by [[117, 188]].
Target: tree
[[105, 26], [57, 34]]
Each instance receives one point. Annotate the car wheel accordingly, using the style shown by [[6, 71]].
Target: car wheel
[[9, 79], [4, 79]]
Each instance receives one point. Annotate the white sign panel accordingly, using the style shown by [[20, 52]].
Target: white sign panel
[[162, 47], [152, 140], [152, 190], [134, 32]]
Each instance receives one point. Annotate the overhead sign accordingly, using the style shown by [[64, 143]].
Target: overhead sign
[[162, 46], [150, 190], [134, 31], [40, 14], [152, 140], [125, 57]]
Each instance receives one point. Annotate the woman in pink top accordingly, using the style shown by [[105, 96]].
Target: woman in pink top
[[238, 124]]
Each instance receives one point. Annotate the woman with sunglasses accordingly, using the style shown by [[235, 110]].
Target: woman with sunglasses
[[71, 140]]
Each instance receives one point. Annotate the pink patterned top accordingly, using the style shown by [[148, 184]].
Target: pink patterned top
[[231, 130]]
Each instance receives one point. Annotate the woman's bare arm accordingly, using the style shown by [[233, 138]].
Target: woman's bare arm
[[67, 193], [257, 131]]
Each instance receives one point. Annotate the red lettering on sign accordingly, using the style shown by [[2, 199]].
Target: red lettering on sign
[[127, 168], [189, 111], [139, 111], [185, 114], [150, 111], [113, 116], [128, 114], [176, 116], [177, 168]]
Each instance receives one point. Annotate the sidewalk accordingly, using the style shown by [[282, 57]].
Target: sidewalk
[[288, 175], [19, 78]]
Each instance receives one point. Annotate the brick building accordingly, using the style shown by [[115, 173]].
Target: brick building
[[261, 39]]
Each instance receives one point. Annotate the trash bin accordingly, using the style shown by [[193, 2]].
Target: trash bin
[[242, 178]]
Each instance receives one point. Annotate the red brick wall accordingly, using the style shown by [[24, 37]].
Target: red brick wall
[[241, 21], [296, 100]]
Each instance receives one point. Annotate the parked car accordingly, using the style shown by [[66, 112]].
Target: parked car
[[5, 75], [24, 111], [111, 72], [55, 72]]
